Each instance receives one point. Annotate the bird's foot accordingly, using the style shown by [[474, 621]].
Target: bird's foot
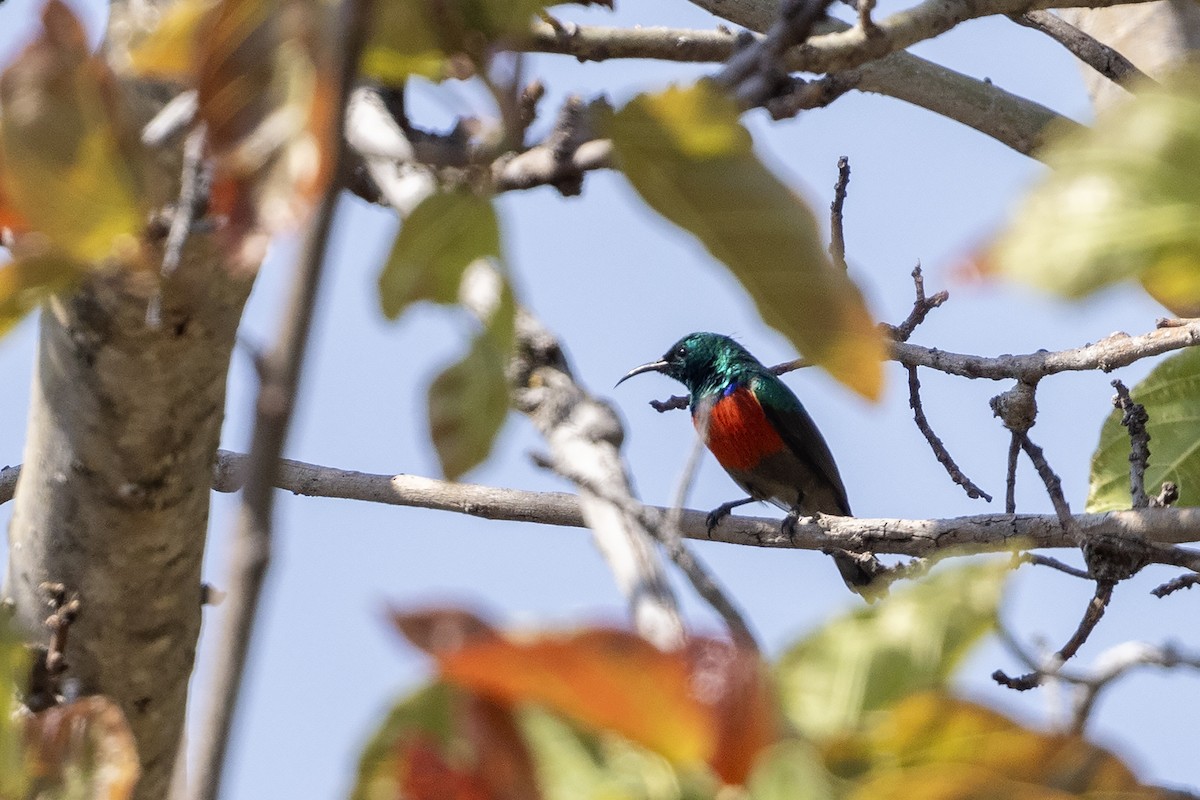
[[715, 516], [794, 517], [722, 511]]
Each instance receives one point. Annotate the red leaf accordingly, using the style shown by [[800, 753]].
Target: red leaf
[[86, 741], [442, 631], [735, 683]]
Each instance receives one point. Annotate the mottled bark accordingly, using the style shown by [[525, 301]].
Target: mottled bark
[[113, 498]]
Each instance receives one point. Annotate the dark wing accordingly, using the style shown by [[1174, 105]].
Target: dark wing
[[785, 411]]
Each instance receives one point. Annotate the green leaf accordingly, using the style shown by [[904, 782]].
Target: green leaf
[[417, 37], [1169, 394], [575, 765], [791, 770], [27, 281], [1121, 201], [870, 658], [690, 159], [14, 672], [468, 401], [438, 241]]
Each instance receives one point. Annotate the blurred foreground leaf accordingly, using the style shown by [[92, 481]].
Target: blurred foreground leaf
[[709, 703], [1169, 394], [602, 715], [940, 748], [468, 401], [691, 160], [27, 281], [437, 242], [170, 51], [1120, 202], [82, 750], [576, 764], [70, 162], [14, 672], [420, 37], [867, 660], [442, 743], [609, 680], [792, 770], [264, 76]]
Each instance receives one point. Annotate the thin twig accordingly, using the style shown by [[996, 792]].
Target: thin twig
[[1047, 561], [276, 399], [1175, 584], [754, 74], [193, 199], [1108, 667], [45, 681], [935, 443], [1097, 55], [171, 120], [1008, 118], [1051, 480], [1091, 616], [693, 569], [922, 305], [1134, 419], [798, 94], [1115, 663], [837, 236], [1010, 480], [1106, 355], [688, 476], [868, 26]]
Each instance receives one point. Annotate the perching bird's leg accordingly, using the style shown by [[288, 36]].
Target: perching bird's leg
[[722, 511], [794, 515]]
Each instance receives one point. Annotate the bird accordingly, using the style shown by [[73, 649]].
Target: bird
[[761, 434]]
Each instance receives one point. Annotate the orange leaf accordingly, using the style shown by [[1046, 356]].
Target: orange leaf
[[265, 89], [86, 741], [603, 679], [169, 51], [735, 684]]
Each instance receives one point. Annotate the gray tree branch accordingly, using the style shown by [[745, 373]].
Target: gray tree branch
[[585, 434], [983, 533], [1008, 118]]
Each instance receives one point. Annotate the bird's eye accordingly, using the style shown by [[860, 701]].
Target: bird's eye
[[681, 351]]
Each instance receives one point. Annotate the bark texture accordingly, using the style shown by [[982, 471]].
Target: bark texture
[[113, 497]]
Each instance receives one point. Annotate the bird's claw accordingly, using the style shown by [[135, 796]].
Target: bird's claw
[[793, 518], [714, 519]]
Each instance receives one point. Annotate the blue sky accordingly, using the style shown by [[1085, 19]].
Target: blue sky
[[619, 285]]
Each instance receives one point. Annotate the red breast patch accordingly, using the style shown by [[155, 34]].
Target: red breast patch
[[739, 434]]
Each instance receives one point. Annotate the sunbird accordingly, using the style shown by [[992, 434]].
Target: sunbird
[[762, 436]]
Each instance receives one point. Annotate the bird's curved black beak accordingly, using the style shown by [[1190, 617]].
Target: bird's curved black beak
[[653, 366]]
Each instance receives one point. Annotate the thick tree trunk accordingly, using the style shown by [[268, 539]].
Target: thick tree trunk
[[113, 497]]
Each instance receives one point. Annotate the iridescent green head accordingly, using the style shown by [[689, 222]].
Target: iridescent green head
[[701, 361]]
